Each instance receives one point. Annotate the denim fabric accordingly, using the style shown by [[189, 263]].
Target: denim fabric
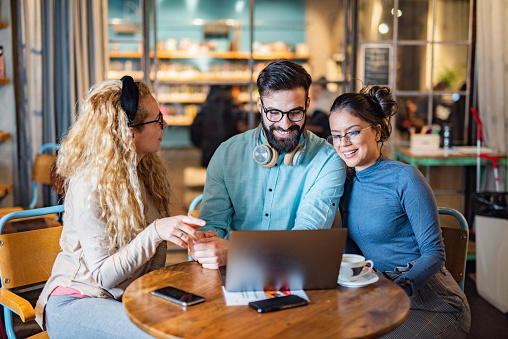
[[88, 318]]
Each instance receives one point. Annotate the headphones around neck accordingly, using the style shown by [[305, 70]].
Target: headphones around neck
[[267, 157]]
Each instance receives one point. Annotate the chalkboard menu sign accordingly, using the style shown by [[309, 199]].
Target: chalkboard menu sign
[[376, 64]]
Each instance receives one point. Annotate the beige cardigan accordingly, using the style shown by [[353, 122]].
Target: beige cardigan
[[85, 263]]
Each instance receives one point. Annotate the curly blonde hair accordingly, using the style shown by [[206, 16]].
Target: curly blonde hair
[[100, 146]]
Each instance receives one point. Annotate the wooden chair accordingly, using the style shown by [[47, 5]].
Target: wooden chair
[[456, 242], [26, 258], [194, 212], [41, 173], [193, 207]]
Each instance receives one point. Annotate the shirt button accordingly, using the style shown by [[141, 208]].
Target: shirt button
[[333, 204], [266, 214], [269, 189]]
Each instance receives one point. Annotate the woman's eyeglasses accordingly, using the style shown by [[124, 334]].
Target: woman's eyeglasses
[[351, 137], [159, 119], [275, 115]]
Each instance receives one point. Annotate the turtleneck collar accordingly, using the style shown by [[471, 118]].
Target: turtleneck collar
[[371, 170]]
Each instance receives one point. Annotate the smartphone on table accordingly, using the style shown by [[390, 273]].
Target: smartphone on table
[[178, 296], [277, 303]]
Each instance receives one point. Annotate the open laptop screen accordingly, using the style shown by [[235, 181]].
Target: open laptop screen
[[278, 260]]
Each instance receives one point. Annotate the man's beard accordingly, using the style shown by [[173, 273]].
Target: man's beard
[[283, 145]]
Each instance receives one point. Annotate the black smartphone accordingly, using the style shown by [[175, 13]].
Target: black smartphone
[[277, 303], [177, 295]]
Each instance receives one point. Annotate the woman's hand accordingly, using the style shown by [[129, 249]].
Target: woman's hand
[[179, 229]]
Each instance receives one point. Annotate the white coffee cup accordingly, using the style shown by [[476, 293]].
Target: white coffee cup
[[352, 267]]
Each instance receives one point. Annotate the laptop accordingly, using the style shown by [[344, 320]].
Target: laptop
[[282, 260]]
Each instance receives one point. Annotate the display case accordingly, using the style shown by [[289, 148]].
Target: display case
[[194, 45]]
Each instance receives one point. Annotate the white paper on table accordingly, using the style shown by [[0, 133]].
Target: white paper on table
[[244, 298]]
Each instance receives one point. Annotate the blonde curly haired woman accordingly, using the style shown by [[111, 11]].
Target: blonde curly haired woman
[[116, 220]]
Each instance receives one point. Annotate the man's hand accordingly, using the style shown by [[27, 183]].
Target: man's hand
[[209, 250]]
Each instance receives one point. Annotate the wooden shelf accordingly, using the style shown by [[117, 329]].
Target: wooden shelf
[[209, 54], [4, 136], [127, 55], [199, 80], [279, 55], [178, 120], [182, 98], [4, 81], [196, 78]]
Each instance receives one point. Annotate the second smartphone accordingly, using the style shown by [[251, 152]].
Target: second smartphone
[[278, 303]]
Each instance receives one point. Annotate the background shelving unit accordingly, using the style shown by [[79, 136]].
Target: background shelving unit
[[182, 51]]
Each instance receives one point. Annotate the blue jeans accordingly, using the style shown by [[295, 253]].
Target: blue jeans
[[70, 317]]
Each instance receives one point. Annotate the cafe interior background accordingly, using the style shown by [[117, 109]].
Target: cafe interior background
[[440, 57]]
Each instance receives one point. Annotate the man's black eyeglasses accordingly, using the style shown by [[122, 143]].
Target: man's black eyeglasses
[[159, 119], [275, 115]]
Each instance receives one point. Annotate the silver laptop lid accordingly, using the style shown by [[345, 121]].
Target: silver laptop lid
[[292, 259]]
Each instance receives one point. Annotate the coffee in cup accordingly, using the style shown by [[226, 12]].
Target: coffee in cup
[[352, 267]]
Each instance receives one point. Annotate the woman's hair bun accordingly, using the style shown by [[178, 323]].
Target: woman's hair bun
[[382, 99]]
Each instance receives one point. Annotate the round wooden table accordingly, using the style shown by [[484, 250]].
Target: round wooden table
[[365, 312]]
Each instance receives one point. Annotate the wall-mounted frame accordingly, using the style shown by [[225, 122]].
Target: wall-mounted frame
[[375, 67]]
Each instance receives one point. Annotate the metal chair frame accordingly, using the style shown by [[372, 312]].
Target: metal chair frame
[[21, 303], [462, 236]]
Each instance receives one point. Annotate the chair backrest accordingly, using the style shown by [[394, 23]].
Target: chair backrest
[[193, 207], [27, 257], [42, 170], [193, 213], [195, 202], [456, 242]]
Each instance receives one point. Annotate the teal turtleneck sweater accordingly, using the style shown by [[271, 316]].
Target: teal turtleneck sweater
[[391, 215]]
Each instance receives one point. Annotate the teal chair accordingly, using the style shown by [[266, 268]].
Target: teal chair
[[456, 243], [41, 173], [194, 211], [193, 207], [26, 258]]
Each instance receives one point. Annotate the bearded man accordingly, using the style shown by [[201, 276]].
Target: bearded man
[[275, 177]]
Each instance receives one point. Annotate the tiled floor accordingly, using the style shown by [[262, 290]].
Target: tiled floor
[[487, 321]]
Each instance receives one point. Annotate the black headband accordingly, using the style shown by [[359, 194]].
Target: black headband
[[130, 98]]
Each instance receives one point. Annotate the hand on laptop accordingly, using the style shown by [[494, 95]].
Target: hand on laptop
[[209, 250]]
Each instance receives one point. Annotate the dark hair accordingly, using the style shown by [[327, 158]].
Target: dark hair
[[373, 104], [283, 75]]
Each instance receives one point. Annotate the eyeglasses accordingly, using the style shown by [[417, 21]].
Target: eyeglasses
[[159, 119], [275, 115], [351, 137]]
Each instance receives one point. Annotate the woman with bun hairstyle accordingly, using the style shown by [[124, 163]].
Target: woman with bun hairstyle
[[391, 215], [117, 213]]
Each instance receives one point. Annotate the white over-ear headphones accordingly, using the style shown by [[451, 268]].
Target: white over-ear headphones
[[267, 157]]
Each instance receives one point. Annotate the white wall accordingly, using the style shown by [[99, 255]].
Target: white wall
[[324, 35]]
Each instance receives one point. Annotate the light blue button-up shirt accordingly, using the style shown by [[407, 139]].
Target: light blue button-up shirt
[[240, 194]]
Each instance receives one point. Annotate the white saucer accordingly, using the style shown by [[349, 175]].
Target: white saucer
[[367, 279]]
